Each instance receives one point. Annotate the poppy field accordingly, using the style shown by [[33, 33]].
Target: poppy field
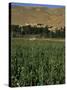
[[37, 62]]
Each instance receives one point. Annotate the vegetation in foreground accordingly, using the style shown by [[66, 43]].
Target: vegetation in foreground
[[37, 62]]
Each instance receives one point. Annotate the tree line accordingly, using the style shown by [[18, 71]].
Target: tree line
[[23, 31]]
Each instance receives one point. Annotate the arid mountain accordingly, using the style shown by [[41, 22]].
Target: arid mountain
[[38, 15]]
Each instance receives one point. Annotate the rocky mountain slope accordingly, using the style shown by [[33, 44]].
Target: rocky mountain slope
[[21, 15]]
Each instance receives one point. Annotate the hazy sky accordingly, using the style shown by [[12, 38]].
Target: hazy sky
[[29, 4]]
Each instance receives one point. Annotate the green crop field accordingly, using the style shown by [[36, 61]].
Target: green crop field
[[37, 62]]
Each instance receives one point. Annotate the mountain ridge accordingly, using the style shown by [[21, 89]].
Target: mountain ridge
[[20, 15]]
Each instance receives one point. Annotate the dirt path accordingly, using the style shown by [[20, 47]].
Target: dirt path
[[43, 39], [60, 40]]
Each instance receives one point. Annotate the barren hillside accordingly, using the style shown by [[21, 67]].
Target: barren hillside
[[33, 15]]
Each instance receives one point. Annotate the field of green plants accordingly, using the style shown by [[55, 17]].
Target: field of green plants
[[37, 62]]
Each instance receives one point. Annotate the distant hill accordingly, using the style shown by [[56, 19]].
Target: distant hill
[[21, 15]]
